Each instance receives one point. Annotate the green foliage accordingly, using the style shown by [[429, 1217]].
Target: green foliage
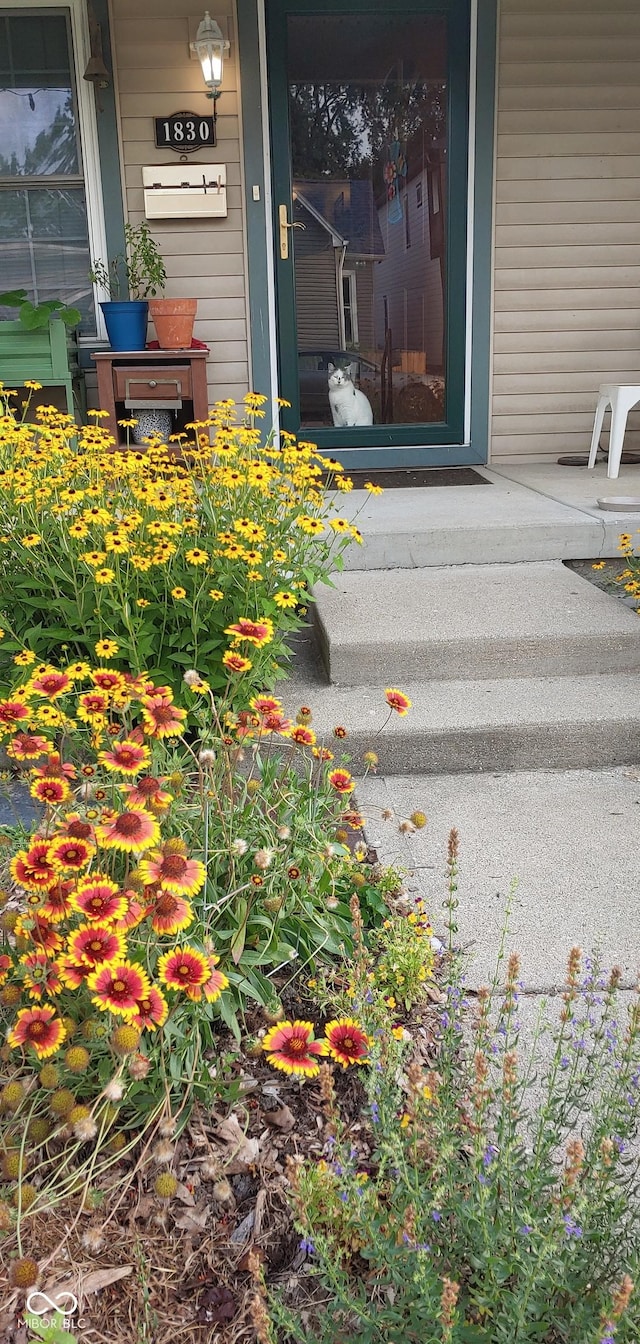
[[141, 264], [35, 317], [51, 1332], [490, 1200]]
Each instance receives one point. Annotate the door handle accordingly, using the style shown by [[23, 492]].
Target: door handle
[[285, 225]]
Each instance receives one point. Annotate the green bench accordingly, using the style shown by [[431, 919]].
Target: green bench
[[48, 356]]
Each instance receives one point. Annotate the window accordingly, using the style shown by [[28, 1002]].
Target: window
[[350, 309], [47, 237], [418, 195]]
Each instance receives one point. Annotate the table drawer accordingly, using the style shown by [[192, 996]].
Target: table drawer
[[168, 383]]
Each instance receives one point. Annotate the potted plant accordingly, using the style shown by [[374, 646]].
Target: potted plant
[[142, 265], [173, 320]]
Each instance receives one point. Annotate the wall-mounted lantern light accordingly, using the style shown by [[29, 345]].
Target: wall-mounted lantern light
[[211, 47]]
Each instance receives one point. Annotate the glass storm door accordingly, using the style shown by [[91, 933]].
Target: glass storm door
[[369, 106]]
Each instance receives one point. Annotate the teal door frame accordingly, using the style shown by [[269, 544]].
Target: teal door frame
[[472, 444]]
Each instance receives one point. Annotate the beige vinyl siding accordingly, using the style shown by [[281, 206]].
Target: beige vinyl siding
[[567, 235], [205, 259]]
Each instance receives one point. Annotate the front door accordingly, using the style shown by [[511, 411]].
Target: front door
[[369, 104]]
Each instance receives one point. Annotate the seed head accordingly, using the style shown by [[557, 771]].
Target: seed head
[[13, 1165], [113, 1090], [77, 1058], [25, 1195], [165, 1185], [419, 820], [239, 847], [39, 1129], [283, 832], [139, 1066], [192, 678], [93, 1240], [85, 1129], [62, 1102], [125, 1039], [263, 858], [11, 1097], [164, 1153], [24, 1272], [207, 757], [371, 759]]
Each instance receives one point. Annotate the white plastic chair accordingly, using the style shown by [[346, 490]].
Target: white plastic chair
[[621, 398]]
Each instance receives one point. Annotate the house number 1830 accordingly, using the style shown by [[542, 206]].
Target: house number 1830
[[185, 131]]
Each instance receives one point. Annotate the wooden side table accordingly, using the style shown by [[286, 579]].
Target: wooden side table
[[132, 380]]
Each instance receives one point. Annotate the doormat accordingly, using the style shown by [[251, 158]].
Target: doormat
[[406, 480]]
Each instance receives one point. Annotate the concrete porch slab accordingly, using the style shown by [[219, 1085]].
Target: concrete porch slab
[[530, 513], [568, 837]]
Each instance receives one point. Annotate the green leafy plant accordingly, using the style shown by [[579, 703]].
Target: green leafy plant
[[140, 265], [491, 1199], [35, 317], [53, 1331]]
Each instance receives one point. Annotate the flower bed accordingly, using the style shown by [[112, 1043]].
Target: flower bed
[[196, 555]]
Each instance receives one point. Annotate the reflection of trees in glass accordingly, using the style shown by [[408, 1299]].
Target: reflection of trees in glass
[[343, 130], [53, 151]]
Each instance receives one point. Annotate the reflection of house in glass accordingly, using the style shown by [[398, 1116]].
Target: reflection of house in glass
[[335, 257], [409, 282]]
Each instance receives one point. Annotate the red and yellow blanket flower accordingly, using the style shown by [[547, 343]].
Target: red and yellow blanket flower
[[346, 1041], [132, 831], [119, 987], [290, 1046], [40, 1028]]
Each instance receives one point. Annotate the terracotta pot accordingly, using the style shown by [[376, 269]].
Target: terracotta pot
[[173, 320]]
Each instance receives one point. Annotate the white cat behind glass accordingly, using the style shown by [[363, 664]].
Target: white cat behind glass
[[349, 406]]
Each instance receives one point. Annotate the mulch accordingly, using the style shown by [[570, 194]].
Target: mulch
[[177, 1272]]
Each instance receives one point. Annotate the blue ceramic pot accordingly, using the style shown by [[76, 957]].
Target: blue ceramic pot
[[126, 323]]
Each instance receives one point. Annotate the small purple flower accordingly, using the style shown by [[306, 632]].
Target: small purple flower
[[483, 1180], [436, 1215], [368, 998], [445, 1021], [375, 1113], [525, 1230], [619, 1143], [307, 1246], [571, 1228], [343, 1196], [490, 1155], [564, 1062]]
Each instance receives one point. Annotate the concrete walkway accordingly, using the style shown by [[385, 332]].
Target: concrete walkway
[[569, 838]]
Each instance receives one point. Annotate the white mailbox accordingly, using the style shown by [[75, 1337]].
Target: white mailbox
[[185, 191]]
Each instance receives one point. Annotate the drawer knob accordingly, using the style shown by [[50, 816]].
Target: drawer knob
[[153, 382]]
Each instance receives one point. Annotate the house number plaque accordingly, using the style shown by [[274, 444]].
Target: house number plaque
[[185, 132]]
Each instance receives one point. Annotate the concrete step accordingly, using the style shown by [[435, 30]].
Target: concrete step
[[457, 727], [472, 622]]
